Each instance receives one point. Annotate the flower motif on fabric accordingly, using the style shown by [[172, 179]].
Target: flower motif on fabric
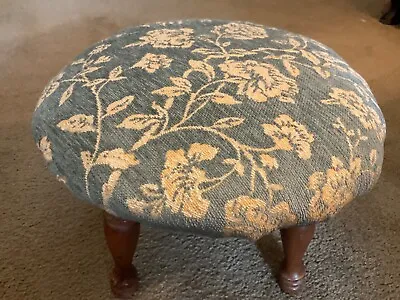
[[290, 135], [367, 116], [182, 176], [152, 62], [167, 38], [240, 31], [252, 217], [333, 189], [261, 81]]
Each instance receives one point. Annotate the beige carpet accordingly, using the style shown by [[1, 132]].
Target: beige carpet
[[52, 246]]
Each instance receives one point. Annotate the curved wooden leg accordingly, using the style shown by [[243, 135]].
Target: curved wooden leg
[[122, 237], [295, 242]]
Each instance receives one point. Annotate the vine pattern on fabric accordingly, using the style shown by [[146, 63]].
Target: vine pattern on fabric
[[180, 189]]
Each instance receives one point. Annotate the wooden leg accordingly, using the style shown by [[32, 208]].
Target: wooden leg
[[295, 241], [391, 13], [122, 237]]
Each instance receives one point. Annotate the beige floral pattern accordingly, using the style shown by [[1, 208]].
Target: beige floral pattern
[[328, 58], [212, 124], [152, 62], [50, 89], [367, 115], [99, 48], [117, 159], [182, 176], [252, 217], [334, 188], [241, 31], [290, 135], [167, 38], [261, 81]]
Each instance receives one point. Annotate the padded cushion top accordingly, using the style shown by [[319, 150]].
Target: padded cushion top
[[216, 127]]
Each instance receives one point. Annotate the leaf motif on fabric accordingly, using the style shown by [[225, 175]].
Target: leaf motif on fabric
[[117, 159], [205, 51], [228, 122], [202, 152], [268, 161], [222, 98], [230, 161], [311, 57], [115, 73], [160, 110], [148, 134], [78, 124], [182, 83], [50, 89], [119, 105], [78, 62], [67, 94], [170, 91], [91, 69], [291, 68], [109, 186], [139, 121], [102, 59], [324, 73], [203, 67], [86, 158], [168, 103], [94, 82], [294, 42], [280, 42], [99, 48], [281, 57]]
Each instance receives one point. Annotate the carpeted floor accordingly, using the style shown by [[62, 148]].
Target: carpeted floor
[[52, 245]]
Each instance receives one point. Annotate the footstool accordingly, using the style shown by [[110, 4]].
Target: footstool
[[226, 129]]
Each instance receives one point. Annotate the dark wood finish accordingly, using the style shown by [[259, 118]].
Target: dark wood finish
[[295, 241], [122, 237], [391, 13]]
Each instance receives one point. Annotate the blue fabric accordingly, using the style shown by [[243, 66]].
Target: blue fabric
[[215, 127]]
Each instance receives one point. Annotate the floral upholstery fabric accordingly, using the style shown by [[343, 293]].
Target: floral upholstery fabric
[[215, 127]]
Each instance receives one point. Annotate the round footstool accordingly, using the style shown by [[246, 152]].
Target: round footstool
[[212, 127]]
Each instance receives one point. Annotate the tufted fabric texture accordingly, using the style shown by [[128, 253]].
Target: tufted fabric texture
[[215, 127]]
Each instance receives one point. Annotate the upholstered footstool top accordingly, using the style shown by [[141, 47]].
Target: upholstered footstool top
[[216, 127]]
